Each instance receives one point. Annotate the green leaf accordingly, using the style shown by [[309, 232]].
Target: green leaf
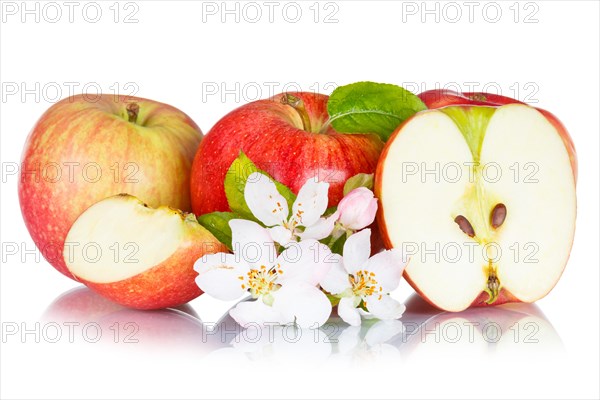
[[235, 183], [329, 211], [358, 180], [369, 107], [217, 223], [337, 247]]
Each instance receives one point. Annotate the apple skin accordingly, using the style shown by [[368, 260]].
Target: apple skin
[[152, 162], [439, 98], [271, 134]]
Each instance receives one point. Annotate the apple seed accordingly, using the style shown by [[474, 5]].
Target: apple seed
[[498, 215], [465, 225]]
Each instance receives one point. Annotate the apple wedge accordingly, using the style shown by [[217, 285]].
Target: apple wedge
[[482, 200], [138, 256]]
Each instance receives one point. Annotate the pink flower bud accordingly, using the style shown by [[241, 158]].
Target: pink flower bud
[[357, 209]]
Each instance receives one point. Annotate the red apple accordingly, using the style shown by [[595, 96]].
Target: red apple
[[527, 212], [288, 137], [81, 151], [138, 256]]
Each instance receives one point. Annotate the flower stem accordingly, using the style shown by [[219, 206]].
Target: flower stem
[[338, 232]]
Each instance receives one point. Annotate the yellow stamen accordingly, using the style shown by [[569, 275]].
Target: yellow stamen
[[364, 284]]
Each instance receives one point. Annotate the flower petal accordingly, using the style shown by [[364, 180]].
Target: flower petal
[[307, 261], [387, 266], [218, 276], [254, 313], [336, 280], [263, 199], [302, 303], [281, 235], [348, 312], [252, 243], [357, 250], [358, 208], [311, 202], [384, 307], [320, 229]]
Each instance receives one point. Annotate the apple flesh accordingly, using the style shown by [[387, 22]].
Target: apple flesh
[[496, 222], [288, 137], [138, 256], [439, 98], [80, 152]]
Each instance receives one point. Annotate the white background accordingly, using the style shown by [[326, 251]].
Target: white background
[[179, 53]]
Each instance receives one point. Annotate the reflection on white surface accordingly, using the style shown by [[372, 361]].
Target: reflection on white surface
[[422, 332], [333, 342], [504, 329], [109, 325]]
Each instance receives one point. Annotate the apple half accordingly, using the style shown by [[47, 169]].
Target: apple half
[[482, 200], [138, 256]]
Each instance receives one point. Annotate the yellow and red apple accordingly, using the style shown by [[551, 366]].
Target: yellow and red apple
[[81, 151]]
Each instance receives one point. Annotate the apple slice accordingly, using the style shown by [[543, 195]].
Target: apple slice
[[483, 201], [138, 256]]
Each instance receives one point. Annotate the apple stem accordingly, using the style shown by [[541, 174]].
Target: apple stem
[[298, 105], [336, 234], [133, 110]]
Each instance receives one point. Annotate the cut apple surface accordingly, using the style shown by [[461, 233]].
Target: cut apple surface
[[136, 255], [482, 200]]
